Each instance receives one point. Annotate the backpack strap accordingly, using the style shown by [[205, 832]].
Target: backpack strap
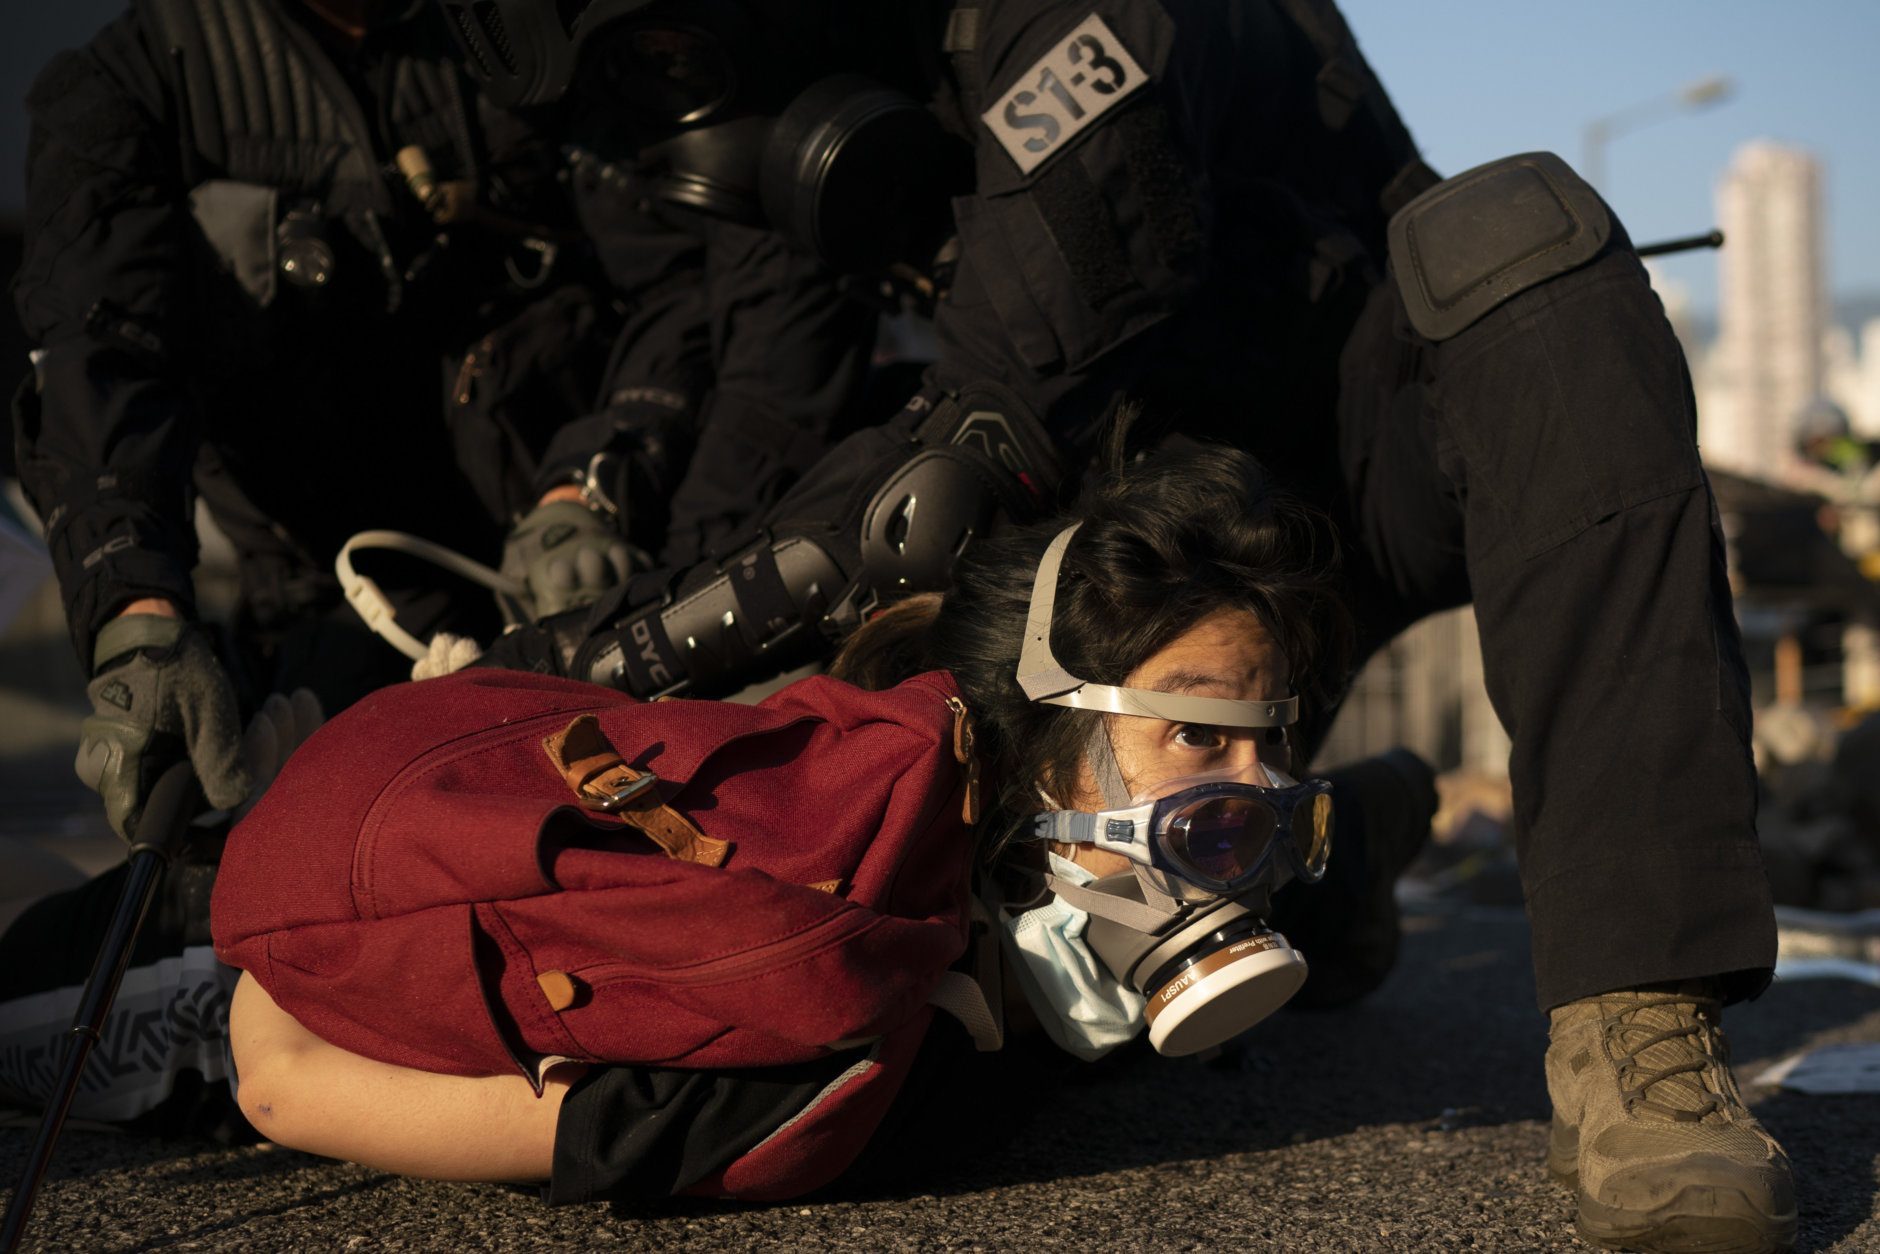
[[959, 995], [602, 781], [976, 998]]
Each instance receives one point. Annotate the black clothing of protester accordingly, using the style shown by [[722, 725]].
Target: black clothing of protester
[[643, 1133], [235, 293], [1216, 244]]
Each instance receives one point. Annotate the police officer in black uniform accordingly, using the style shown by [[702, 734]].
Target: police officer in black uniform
[[265, 240], [1214, 206]]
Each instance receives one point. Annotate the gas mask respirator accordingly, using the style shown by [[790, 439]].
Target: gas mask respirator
[[734, 112], [1184, 928]]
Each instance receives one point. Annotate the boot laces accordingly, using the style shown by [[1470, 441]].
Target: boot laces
[[1663, 1051]]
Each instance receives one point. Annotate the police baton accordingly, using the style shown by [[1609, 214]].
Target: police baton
[[1709, 239], [165, 822]]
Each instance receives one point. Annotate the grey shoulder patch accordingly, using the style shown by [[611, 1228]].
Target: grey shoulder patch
[[238, 221], [1473, 241]]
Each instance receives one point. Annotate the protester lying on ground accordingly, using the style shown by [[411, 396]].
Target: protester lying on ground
[[441, 958], [168, 1076]]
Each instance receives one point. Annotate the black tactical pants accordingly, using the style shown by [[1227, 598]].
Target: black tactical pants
[[1543, 464]]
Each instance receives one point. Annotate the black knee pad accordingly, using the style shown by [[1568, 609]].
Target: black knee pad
[[1475, 240]]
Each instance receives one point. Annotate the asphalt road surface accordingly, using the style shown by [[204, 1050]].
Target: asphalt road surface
[[1413, 1121]]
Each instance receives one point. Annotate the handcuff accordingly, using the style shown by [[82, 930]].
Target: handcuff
[[591, 480]]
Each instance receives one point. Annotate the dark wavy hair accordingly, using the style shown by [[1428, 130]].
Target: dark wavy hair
[[1164, 542]]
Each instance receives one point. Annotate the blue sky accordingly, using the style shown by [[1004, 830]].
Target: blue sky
[[1476, 79]]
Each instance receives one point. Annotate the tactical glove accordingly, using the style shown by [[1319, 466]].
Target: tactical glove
[[160, 695], [567, 555], [279, 727]]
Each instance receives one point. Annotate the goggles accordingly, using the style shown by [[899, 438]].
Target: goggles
[[1221, 836]]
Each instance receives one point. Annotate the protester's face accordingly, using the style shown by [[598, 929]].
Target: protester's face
[[1228, 654]]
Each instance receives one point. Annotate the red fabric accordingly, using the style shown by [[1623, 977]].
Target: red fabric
[[418, 864]]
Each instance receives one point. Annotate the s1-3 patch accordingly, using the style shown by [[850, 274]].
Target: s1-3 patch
[[1071, 86]]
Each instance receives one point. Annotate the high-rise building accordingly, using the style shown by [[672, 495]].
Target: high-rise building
[[1863, 404], [1841, 374], [1767, 366]]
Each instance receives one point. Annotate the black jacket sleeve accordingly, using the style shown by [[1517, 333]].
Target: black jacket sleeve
[[790, 355], [739, 358], [108, 438], [659, 369]]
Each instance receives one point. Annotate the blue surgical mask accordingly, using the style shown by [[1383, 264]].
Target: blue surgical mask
[[1084, 1008]]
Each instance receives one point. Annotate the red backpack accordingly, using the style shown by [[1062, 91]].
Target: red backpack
[[472, 874]]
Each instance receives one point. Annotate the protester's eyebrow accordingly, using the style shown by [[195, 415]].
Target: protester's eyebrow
[[1188, 681], [1191, 681]]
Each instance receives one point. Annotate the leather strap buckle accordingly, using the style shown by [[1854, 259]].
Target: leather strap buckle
[[602, 782], [613, 800]]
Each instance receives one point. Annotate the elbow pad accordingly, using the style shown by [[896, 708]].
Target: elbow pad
[[753, 615], [883, 515], [975, 461]]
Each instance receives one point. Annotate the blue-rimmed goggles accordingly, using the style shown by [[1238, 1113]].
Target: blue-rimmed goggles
[[1220, 836]]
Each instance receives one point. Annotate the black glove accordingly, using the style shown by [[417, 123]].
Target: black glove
[[160, 695], [543, 648]]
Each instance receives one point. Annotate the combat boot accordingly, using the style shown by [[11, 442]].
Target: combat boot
[[1650, 1130]]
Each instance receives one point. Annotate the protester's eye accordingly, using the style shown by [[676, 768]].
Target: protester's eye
[[1199, 736]]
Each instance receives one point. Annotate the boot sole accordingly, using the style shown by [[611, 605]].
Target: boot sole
[[1701, 1219]]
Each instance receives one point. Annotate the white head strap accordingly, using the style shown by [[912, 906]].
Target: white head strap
[[1044, 680]]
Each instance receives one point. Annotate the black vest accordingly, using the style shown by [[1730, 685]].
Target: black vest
[[268, 124]]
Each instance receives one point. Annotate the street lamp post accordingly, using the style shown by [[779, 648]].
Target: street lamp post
[[1601, 131]]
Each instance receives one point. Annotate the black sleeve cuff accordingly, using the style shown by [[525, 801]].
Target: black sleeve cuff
[[90, 603], [654, 429]]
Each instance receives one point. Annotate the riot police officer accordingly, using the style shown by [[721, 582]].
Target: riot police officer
[[282, 256], [1215, 207]]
